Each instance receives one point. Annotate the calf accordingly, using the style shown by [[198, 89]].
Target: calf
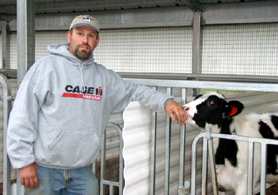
[[231, 157]]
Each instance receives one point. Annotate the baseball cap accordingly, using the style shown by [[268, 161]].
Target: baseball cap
[[85, 20]]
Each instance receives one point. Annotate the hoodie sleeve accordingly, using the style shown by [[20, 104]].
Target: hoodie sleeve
[[125, 92], [22, 124]]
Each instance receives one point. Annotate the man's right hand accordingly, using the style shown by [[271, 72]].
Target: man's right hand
[[28, 176]]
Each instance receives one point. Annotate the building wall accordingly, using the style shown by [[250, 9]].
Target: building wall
[[243, 49], [246, 49]]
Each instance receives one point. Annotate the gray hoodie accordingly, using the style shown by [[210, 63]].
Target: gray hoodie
[[62, 108]]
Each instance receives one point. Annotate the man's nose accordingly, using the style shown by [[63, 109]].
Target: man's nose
[[85, 39]]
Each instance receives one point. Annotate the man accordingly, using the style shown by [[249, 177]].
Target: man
[[61, 110]]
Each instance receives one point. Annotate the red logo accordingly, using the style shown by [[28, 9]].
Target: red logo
[[82, 96]]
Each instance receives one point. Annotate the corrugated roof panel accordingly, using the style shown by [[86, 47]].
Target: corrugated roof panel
[[61, 6]]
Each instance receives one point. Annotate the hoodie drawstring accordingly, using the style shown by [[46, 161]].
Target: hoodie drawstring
[[82, 87]]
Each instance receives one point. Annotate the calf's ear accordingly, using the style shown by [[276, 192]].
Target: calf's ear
[[233, 108]]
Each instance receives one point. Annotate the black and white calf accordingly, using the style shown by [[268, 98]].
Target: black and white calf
[[231, 157]]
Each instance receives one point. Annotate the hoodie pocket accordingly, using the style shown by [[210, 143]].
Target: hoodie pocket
[[73, 148]]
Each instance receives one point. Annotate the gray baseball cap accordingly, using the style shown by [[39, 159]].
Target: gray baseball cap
[[85, 20]]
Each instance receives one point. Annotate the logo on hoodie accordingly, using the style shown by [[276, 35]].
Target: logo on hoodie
[[90, 93]]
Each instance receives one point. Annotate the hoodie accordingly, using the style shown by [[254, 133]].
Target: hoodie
[[62, 108]]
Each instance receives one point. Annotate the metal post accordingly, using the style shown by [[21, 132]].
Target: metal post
[[25, 37], [263, 167], [182, 150], [5, 45], [250, 167], [204, 166], [25, 46], [103, 163], [196, 44], [196, 47], [212, 162], [167, 150], [153, 152], [6, 111], [194, 162]]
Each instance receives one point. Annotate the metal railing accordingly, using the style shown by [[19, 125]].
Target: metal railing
[[183, 85], [104, 181], [208, 152], [169, 84]]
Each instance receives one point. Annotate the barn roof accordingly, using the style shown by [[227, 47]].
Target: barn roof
[[68, 6]]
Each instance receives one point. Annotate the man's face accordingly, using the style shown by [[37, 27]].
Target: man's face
[[83, 40]]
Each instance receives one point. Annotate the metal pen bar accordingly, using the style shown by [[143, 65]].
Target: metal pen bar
[[6, 111], [263, 167], [194, 162], [167, 150], [250, 167], [243, 86], [111, 190], [182, 149], [263, 141], [119, 184], [244, 138], [212, 161], [121, 167], [103, 163], [153, 151], [110, 183], [204, 166]]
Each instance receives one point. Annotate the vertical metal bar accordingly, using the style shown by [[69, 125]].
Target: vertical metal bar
[[263, 168], [103, 163], [121, 166], [153, 151], [121, 161], [204, 166], [250, 167], [5, 45], [6, 111], [167, 150], [182, 149], [212, 162], [25, 46], [25, 37], [94, 167], [196, 46], [194, 165], [196, 43], [111, 189]]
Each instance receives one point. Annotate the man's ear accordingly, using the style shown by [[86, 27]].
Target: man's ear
[[233, 108], [69, 36]]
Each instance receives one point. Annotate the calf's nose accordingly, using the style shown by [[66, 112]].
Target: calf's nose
[[186, 108]]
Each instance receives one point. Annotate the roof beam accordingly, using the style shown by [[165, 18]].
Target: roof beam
[[193, 4]]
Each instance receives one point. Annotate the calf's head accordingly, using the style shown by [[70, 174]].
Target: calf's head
[[210, 109]]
